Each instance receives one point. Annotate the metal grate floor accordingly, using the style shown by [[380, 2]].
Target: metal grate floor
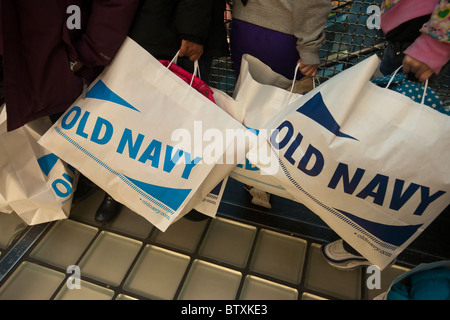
[[213, 259]]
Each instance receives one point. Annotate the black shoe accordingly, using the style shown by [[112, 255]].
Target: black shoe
[[194, 215], [108, 209]]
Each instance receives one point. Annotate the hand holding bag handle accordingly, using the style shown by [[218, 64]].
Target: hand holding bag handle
[[297, 67], [424, 91], [196, 67]]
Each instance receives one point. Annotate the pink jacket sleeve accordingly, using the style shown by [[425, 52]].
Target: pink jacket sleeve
[[433, 46], [428, 50]]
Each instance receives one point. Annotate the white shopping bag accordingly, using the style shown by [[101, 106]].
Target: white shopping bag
[[209, 205], [139, 134], [34, 183], [372, 163], [260, 94], [4, 206]]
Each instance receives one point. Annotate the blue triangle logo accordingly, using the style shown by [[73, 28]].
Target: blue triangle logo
[[217, 188], [396, 235], [102, 92], [47, 163], [171, 197], [316, 110]]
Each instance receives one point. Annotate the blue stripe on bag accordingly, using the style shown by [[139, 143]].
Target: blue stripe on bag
[[396, 235], [171, 197]]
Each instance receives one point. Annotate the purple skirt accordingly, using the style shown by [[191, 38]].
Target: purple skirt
[[276, 49]]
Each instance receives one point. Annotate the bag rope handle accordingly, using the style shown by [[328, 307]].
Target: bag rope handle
[[425, 87], [196, 67], [295, 78]]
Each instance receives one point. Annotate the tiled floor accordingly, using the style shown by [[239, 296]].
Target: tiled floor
[[213, 259]]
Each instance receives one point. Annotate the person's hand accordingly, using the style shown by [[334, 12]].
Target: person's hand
[[191, 50], [308, 70], [421, 70]]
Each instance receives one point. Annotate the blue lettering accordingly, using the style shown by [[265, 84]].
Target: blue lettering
[[127, 139], [67, 185], [189, 165], [286, 139], [169, 160], [152, 153], [99, 124], [294, 145], [426, 199], [318, 165], [399, 198], [69, 125], [379, 181], [82, 125], [342, 173], [304, 161]]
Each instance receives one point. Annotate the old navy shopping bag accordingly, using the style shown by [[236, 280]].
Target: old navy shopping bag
[[372, 163], [34, 183], [139, 135], [259, 95]]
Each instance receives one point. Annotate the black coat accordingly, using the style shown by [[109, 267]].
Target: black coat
[[160, 25]]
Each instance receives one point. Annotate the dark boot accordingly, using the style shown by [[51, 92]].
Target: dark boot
[[108, 209]]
